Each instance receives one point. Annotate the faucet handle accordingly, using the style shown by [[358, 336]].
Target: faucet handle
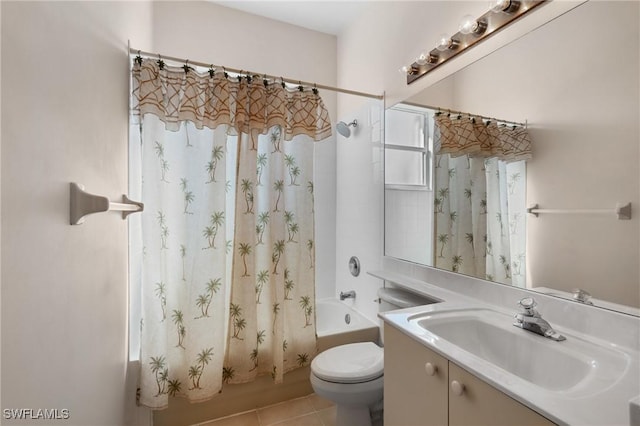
[[528, 305], [582, 296]]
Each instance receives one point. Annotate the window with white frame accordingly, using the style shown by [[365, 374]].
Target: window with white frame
[[408, 148]]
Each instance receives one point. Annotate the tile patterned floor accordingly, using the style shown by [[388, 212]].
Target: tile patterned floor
[[310, 410]]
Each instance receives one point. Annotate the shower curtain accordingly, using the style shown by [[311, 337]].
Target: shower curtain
[[227, 273], [480, 191]]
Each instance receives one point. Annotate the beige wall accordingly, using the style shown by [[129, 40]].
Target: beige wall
[[64, 118], [64, 288]]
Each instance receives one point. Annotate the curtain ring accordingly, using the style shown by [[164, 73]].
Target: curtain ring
[[300, 88], [284, 86], [186, 66], [160, 62], [212, 71], [315, 89]]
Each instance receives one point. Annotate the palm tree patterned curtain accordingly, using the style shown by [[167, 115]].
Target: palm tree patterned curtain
[[272, 298], [480, 190], [227, 275]]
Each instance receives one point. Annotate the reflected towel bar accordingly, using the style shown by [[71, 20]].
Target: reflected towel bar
[[83, 203], [623, 212]]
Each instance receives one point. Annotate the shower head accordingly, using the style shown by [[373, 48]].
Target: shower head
[[343, 128]]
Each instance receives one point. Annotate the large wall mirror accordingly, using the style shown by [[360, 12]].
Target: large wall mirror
[[575, 82]]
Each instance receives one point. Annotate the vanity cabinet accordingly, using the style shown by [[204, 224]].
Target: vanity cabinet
[[424, 388], [413, 395]]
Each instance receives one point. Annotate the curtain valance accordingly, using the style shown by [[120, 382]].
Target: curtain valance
[[246, 105], [468, 136]]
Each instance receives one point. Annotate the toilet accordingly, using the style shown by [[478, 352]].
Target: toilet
[[352, 375]]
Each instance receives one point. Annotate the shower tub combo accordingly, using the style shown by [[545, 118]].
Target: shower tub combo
[[338, 324]]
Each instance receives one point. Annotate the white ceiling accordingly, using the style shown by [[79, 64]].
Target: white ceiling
[[325, 16]]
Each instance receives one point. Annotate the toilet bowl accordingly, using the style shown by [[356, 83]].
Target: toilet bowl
[[352, 375]]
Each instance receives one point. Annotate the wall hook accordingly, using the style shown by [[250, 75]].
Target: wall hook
[[83, 203]]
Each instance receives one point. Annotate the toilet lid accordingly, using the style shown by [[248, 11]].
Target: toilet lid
[[352, 363]]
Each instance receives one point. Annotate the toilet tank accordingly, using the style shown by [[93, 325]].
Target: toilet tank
[[396, 298]]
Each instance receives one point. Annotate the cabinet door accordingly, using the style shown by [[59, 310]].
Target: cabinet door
[[415, 382], [482, 404]]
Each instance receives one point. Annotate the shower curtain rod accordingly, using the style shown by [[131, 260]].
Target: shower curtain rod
[[468, 114], [286, 80]]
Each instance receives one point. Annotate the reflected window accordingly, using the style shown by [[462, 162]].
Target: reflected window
[[408, 151]]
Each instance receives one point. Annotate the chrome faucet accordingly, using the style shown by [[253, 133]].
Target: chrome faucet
[[347, 295], [529, 319]]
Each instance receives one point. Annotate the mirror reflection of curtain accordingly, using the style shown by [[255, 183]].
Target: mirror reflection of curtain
[[228, 274], [479, 200]]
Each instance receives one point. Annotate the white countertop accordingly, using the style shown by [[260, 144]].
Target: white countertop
[[600, 405]]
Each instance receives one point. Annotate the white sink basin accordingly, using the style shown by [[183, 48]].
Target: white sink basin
[[574, 365]]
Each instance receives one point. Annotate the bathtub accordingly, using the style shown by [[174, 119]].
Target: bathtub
[[338, 324]]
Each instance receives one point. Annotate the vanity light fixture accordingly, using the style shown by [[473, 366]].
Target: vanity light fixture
[[471, 31]]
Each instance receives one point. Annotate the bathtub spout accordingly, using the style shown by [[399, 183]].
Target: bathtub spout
[[347, 295]]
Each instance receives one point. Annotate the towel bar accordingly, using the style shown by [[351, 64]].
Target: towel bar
[[622, 211], [83, 203]]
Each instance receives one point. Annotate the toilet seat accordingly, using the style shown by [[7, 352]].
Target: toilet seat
[[352, 363]]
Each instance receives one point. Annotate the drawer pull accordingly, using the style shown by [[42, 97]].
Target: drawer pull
[[457, 388], [430, 369]]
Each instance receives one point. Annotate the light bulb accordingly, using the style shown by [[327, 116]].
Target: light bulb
[[404, 69], [507, 6], [422, 59], [471, 25], [468, 25], [499, 5], [444, 42]]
